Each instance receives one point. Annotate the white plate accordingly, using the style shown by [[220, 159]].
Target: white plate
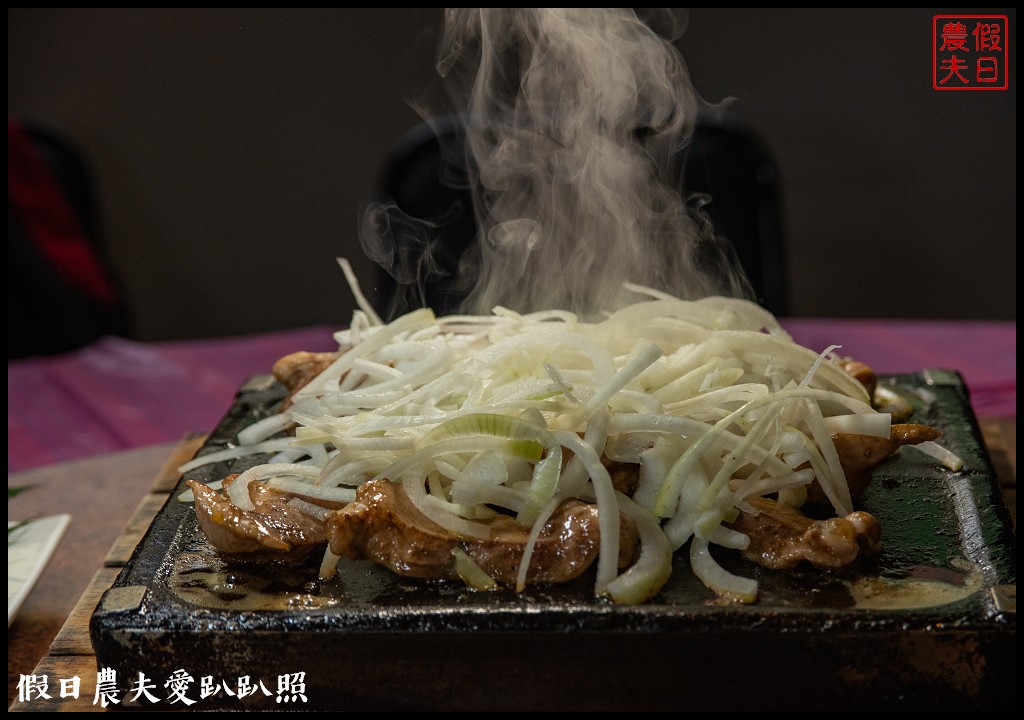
[[28, 550]]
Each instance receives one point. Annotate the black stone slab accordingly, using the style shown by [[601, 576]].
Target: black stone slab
[[929, 624]]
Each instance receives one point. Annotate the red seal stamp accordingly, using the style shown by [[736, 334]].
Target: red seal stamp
[[969, 52]]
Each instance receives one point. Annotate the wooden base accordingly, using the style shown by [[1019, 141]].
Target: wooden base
[[71, 652]]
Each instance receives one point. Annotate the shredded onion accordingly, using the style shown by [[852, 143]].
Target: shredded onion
[[477, 414], [945, 456], [471, 573]]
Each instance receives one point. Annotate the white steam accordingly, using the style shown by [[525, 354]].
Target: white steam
[[574, 118]]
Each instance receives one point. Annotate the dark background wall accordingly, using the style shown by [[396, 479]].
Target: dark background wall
[[232, 150]]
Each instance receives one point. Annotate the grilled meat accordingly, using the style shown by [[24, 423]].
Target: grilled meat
[[384, 526], [859, 454], [782, 537], [274, 524]]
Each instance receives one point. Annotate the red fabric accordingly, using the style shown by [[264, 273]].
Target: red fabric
[[40, 206]]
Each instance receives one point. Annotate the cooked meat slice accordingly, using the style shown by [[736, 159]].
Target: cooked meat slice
[[782, 537], [384, 526], [274, 524], [568, 545], [625, 476], [859, 454], [296, 370], [912, 434], [862, 372]]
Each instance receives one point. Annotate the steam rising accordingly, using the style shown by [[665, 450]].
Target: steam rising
[[574, 120]]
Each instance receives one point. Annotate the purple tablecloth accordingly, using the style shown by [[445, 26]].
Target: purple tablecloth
[[119, 394]]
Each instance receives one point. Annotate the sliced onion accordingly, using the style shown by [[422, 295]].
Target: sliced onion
[[873, 424], [945, 456], [263, 429], [434, 510], [651, 571], [412, 321], [307, 489], [471, 573], [711, 396], [531, 541], [236, 452], [238, 490], [329, 564], [607, 508], [718, 578]]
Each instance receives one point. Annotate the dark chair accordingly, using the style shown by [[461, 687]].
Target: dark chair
[[427, 181], [62, 293], [730, 165]]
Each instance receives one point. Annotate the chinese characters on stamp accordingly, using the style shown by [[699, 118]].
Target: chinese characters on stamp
[[969, 52]]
